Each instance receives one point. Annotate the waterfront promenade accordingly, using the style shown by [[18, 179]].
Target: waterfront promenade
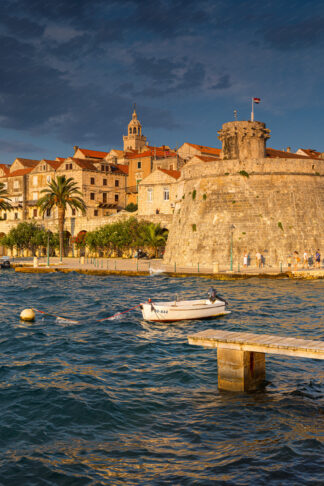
[[143, 267]]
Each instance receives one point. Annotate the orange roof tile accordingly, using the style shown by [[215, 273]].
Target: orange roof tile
[[19, 172], [312, 153], [94, 154], [173, 173], [5, 168], [53, 163], [122, 168], [152, 152], [273, 153], [206, 150], [60, 159], [83, 163], [28, 162]]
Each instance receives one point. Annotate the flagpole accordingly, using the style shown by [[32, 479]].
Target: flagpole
[[252, 112]]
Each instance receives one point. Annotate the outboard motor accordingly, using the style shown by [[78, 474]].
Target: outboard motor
[[213, 296]]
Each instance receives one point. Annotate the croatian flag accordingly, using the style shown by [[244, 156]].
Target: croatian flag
[[256, 100]]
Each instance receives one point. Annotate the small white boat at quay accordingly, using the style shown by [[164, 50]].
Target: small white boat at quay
[[179, 310]]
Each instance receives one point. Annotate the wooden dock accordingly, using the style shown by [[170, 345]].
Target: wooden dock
[[241, 355]]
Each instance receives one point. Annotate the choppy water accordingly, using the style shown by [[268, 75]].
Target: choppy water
[[128, 402]]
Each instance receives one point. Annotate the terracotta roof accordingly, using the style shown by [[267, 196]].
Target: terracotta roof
[[53, 163], [173, 173], [60, 159], [94, 154], [28, 162], [83, 163], [152, 152], [273, 153], [19, 172], [312, 153], [5, 168], [206, 150], [122, 168]]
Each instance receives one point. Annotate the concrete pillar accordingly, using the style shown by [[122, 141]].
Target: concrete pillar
[[240, 370], [215, 267], [82, 260], [35, 262]]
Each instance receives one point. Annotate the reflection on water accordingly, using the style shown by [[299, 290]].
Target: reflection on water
[[130, 402]]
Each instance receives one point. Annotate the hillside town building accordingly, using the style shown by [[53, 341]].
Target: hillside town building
[[199, 192]]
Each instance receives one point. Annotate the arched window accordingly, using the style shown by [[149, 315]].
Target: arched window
[[130, 131], [134, 130]]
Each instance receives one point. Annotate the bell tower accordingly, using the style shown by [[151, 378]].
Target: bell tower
[[134, 140]]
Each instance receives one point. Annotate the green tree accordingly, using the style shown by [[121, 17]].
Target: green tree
[[154, 236], [61, 193], [28, 236], [5, 203]]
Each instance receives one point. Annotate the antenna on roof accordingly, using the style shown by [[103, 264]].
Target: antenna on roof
[[235, 115]]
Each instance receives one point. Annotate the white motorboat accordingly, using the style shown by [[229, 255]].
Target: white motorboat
[[179, 310]]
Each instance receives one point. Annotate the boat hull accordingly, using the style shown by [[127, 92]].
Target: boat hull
[[180, 311]]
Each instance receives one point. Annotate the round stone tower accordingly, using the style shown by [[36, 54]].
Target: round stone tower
[[243, 140]]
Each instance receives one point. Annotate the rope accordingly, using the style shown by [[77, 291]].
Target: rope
[[96, 320], [117, 314]]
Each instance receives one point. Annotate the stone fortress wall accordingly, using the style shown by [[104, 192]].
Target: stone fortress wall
[[274, 206]]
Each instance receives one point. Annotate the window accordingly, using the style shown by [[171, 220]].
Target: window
[[134, 130], [44, 167], [139, 165], [4, 215], [35, 181], [35, 196], [35, 213], [102, 168], [92, 196], [104, 182], [150, 194], [104, 197], [116, 183], [116, 197], [16, 184], [171, 167], [96, 212], [166, 194], [48, 212], [68, 166], [92, 180], [48, 179], [16, 215], [73, 211]]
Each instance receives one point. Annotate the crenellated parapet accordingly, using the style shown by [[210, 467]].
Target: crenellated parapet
[[244, 140]]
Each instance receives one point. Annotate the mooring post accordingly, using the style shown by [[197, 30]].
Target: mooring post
[[240, 370]]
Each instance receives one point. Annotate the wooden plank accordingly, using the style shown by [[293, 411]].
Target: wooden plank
[[264, 343]]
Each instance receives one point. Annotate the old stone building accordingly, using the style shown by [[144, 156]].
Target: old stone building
[[260, 199], [157, 192]]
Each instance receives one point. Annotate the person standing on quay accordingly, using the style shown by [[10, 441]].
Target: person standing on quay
[[318, 259], [296, 260], [258, 259], [305, 259], [245, 260]]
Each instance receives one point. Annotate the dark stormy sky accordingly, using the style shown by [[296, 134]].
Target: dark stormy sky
[[71, 70]]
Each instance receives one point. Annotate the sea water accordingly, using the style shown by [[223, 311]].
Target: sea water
[[129, 402]]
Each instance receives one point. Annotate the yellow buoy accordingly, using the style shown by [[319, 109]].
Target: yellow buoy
[[27, 315]]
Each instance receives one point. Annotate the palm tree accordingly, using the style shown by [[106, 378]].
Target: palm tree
[[4, 199], [61, 192], [155, 236]]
